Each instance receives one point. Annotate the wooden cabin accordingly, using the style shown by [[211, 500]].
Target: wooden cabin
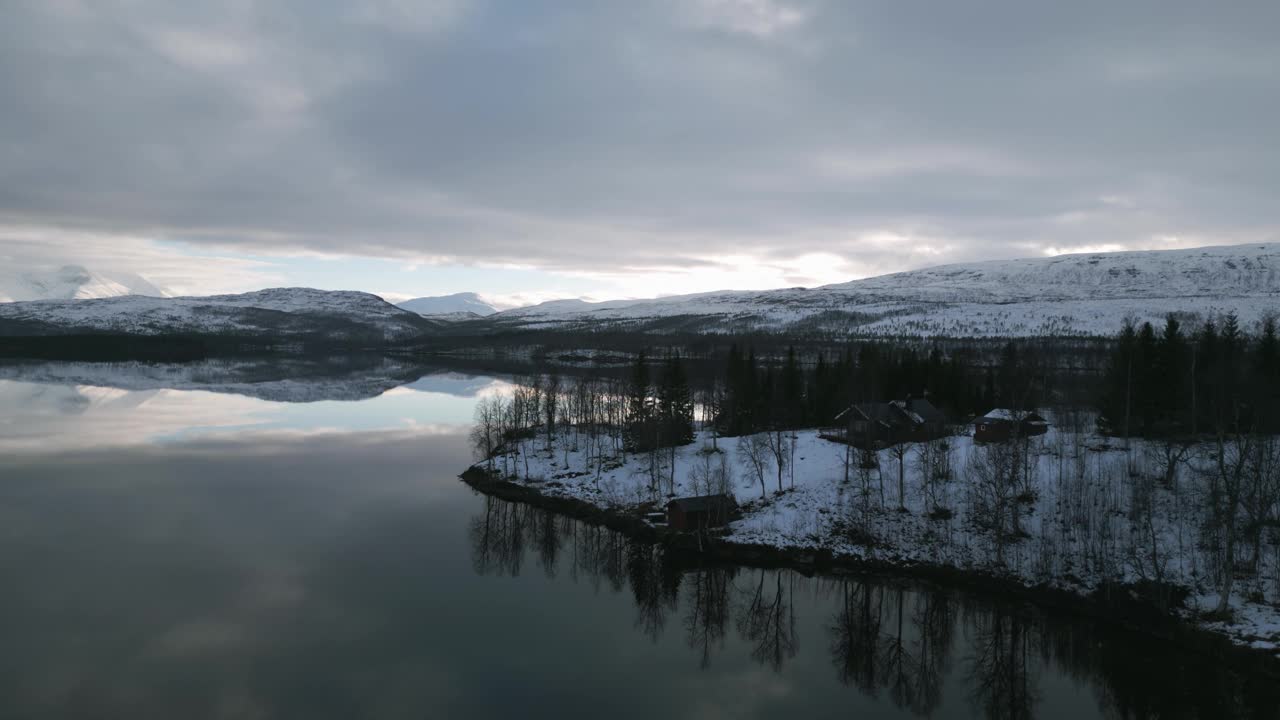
[[701, 512], [890, 423], [999, 425]]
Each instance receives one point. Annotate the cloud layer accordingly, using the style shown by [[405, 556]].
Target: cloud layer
[[666, 137]]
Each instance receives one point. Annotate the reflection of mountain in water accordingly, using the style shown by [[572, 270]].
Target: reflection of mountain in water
[[897, 641], [277, 379], [451, 383]]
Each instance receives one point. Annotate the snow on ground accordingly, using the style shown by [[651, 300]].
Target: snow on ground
[[1081, 529]]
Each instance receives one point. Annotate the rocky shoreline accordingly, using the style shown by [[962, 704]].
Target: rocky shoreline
[[1130, 607]]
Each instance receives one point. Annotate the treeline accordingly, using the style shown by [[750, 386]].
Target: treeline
[[1212, 378], [655, 405], [605, 417], [756, 395]]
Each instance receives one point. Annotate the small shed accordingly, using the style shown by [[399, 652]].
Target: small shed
[[700, 513], [999, 425]]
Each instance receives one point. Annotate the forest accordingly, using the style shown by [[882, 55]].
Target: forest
[[1161, 469]]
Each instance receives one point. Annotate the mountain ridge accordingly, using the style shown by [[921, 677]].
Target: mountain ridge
[[1073, 294], [1087, 294], [282, 314], [448, 305]]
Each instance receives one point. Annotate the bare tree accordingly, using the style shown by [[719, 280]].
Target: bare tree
[[550, 407], [933, 465], [753, 453], [900, 451], [1228, 473], [486, 432], [1261, 497], [711, 473], [778, 443], [993, 480]]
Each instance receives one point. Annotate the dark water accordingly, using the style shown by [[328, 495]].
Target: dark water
[[200, 555]]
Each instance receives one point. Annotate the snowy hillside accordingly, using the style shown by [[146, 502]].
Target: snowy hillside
[[1085, 294], [455, 306], [282, 314], [72, 282], [1081, 493]]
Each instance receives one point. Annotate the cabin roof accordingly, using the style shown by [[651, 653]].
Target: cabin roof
[[925, 410], [1006, 415], [913, 411]]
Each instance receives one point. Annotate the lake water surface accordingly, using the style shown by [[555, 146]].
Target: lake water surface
[[185, 553]]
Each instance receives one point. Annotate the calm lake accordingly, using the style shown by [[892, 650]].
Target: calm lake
[[200, 544]]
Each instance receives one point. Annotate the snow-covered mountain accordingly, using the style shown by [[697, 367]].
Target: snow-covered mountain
[[279, 314], [73, 282], [456, 306], [1066, 295], [1083, 294]]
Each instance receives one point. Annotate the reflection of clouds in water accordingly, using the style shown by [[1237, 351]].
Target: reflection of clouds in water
[[43, 417], [171, 580], [201, 637], [52, 417]]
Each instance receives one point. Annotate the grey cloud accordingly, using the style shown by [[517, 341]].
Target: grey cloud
[[588, 136]]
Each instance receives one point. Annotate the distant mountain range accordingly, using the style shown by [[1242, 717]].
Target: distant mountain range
[[278, 314], [456, 306], [1065, 295], [1081, 294], [73, 282]]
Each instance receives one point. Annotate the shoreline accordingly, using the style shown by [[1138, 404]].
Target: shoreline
[[1119, 605]]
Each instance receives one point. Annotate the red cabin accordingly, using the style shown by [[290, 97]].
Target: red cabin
[[700, 513]]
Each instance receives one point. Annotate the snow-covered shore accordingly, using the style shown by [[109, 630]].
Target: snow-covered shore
[[1082, 526]]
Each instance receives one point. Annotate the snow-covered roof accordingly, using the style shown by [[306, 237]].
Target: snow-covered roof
[[1006, 415]]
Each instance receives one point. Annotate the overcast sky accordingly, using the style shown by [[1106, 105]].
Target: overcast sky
[[531, 149]]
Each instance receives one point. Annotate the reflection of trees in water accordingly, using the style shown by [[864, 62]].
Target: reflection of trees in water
[[1001, 670], [655, 585], [503, 533], [934, 619], [885, 639], [855, 635], [497, 538], [767, 619], [707, 600], [600, 554], [547, 538]]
